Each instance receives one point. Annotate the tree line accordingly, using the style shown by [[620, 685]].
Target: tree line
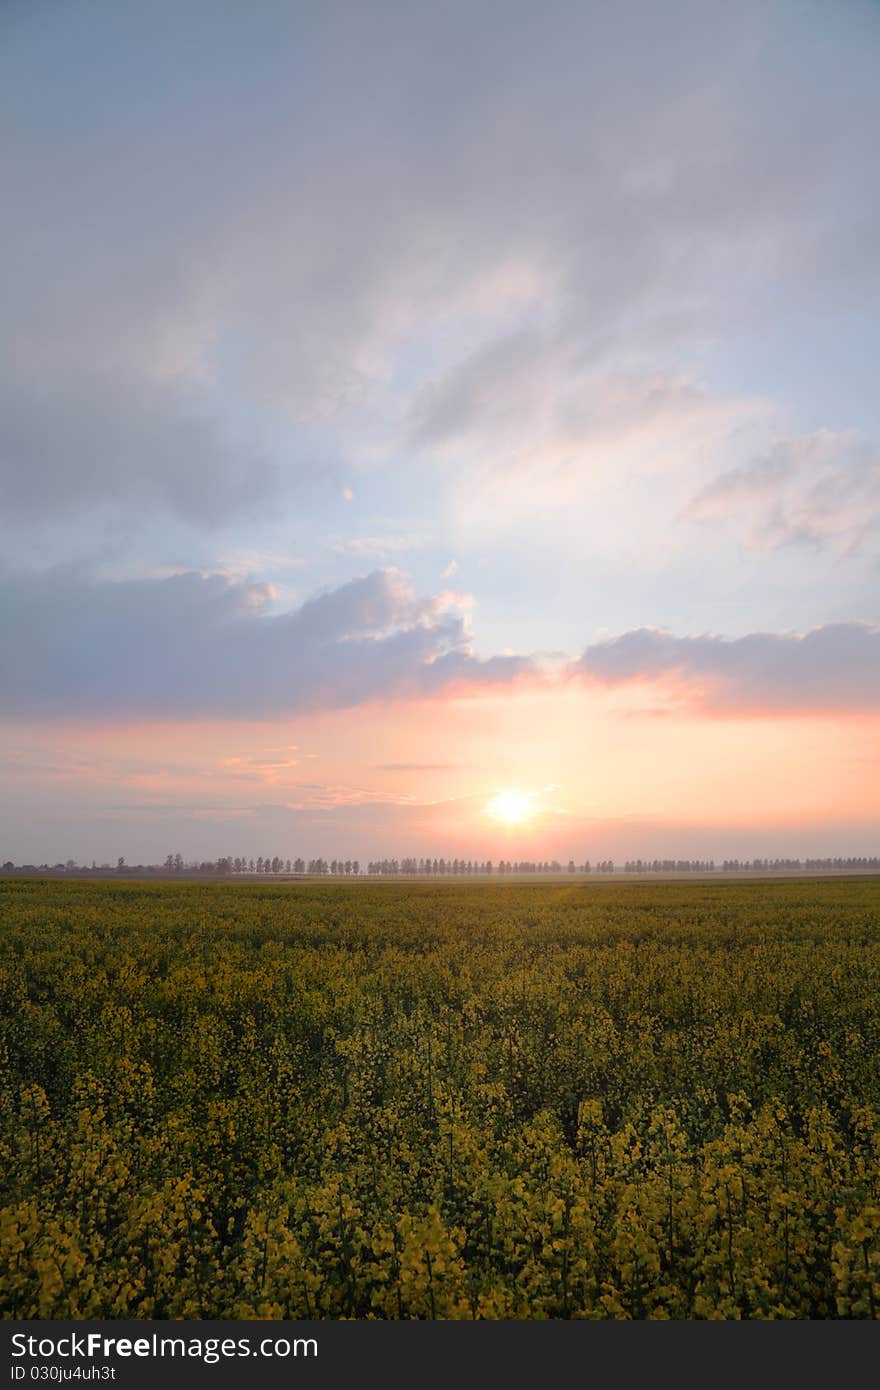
[[230, 866]]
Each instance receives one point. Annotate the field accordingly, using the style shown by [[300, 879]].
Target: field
[[440, 1101]]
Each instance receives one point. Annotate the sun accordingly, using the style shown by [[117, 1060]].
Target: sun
[[510, 807]]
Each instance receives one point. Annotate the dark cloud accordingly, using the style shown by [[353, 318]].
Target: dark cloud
[[835, 667], [195, 645]]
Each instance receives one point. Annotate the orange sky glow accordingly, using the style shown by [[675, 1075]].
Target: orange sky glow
[[591, 770]]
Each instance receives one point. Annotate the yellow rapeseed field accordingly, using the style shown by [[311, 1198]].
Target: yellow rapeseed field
[[440, 1101]]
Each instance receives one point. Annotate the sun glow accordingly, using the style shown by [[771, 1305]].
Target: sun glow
[[511, 807]]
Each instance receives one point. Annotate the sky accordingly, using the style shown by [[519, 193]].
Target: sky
[[444, 429]]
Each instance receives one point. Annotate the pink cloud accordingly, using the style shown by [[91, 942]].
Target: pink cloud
[[831, 668]]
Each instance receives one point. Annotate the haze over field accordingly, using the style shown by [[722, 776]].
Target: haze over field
[[439, 428]]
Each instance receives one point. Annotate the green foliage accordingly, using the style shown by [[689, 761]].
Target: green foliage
[[440, 1101]]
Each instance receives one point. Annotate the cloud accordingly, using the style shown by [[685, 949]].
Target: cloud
[[496, 390], [351, 224], [820, 490], [209, 645], [562, 440], [214, 646], [419, 767], [381, 545], [831, 668], [91, 440]]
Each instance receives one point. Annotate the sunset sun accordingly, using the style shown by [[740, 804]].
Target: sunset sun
[[511, 808]]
